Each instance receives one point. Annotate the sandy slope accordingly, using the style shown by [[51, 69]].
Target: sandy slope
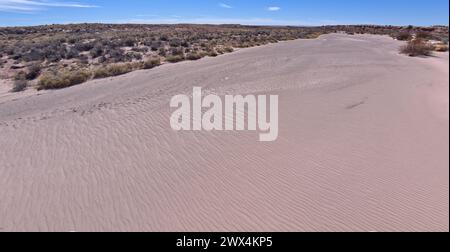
[[363, 146]]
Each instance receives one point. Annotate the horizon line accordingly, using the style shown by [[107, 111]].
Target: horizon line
[[222, 24]]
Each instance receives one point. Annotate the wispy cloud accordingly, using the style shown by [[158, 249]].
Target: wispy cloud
[[29, 6], [225, 6], [273, 8]]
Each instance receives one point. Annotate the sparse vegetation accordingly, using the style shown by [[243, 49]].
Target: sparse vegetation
[[55, 53]]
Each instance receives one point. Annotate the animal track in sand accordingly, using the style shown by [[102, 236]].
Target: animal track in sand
[[355, 105]]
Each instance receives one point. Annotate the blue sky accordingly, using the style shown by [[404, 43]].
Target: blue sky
[[258, 12]]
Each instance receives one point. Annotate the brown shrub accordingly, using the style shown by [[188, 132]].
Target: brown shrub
[[193, 56], [33, 72], [228, 49], [441, 48], [151, 63], [403, 36], [175, 58], [113, 70], [65, 78], [417, 47], [423, 35]]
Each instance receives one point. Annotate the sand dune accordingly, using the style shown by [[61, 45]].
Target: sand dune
[[363, 146]]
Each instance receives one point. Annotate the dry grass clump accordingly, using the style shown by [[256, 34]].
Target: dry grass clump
[[441, 47], [194, 56], [113, 70], [151, 63], [62, 79], [175, 58], [417, 47]]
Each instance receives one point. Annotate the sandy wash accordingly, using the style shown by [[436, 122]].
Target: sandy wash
[[230, 110]]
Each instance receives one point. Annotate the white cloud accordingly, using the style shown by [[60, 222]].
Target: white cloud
[[27, 6], [225, 6], [273, 8]]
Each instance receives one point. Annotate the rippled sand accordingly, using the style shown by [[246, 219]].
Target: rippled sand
[[363, 146]]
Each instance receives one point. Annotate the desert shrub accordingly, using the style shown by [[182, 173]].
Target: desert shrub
[[72, 53], [228, 49], [176, 42], [83, 59], [212, 53], [84, 47], [129, 42], [162, 52], [220, 51], [65, 78], [72, 40], [116, 55], [177, 51], [155, 45], [19, 86], [140, 49], [417, 47], [175, 58], [33, 72], [441, 48], [193, 56], [423, 35], [403, 36], [113, 70], [96, 52], [132, 55], [151, 63], [33, 55], [21, 75]]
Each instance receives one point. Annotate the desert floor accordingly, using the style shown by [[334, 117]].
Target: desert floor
[[363, 146]]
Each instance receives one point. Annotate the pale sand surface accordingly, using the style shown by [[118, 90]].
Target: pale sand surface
[[363, 146]]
